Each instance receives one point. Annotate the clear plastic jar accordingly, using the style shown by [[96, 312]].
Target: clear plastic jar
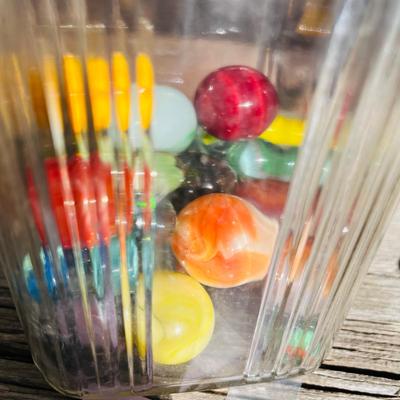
[[191, 191]]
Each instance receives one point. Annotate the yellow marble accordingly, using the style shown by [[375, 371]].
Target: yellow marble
[[75, 94], [182, 320], [122, 90], [99, 89], [285, 131], [145, 84]]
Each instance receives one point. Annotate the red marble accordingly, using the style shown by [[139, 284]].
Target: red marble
[[85, 200], [102, 180], [89, 197], [58, 199], [34, 203], [268, 195], [235, 102]]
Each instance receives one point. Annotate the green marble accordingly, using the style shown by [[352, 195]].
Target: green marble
[[261, 160]]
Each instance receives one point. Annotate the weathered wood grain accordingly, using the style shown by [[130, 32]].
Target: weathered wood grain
[[387, 257], [339, 380], [303, 394], [18, 392], [377, 299], [5, 299], [14, 347], [9, 322], [21, 374], [3, 281]]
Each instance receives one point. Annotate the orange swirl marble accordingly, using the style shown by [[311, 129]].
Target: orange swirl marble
[[223, 241]]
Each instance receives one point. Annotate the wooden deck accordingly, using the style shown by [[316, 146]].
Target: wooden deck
[[364, 363]]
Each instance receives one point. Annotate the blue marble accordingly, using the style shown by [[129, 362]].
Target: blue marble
[[48, 273]]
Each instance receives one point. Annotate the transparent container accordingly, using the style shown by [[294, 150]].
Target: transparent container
[[191, 191]]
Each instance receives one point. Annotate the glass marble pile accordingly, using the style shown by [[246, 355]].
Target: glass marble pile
[[220, 178]]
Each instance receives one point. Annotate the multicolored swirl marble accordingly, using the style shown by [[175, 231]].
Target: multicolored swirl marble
[[224, 241]]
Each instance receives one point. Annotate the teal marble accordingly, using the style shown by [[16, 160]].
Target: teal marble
[[296, 338], [115, 263], [308, 338], [260, 160], [94, 265], [174, 122], [164, 220]]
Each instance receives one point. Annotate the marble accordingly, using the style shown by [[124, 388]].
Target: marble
[[268, 195], [164, 221], [182, 318], [114, 251], [235, 102], [91, 200], [80, 175], [203, 174], [261, 160], [213, 146], [173, 124], [285, 131], [103, 182], [81, 199], [48, 271], [299, 343], [224, 241], [57, 198], [166, 175]]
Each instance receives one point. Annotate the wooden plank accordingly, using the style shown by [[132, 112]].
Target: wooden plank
[[303, 394], [356, 347], [3, 280], [5, 298], [386, 261], [377, 300], [315, 394], [15, 392], [9, 322], [14, 347], [333, 383], [370, 336], [356, 383], [20, 373], [197, 396]]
